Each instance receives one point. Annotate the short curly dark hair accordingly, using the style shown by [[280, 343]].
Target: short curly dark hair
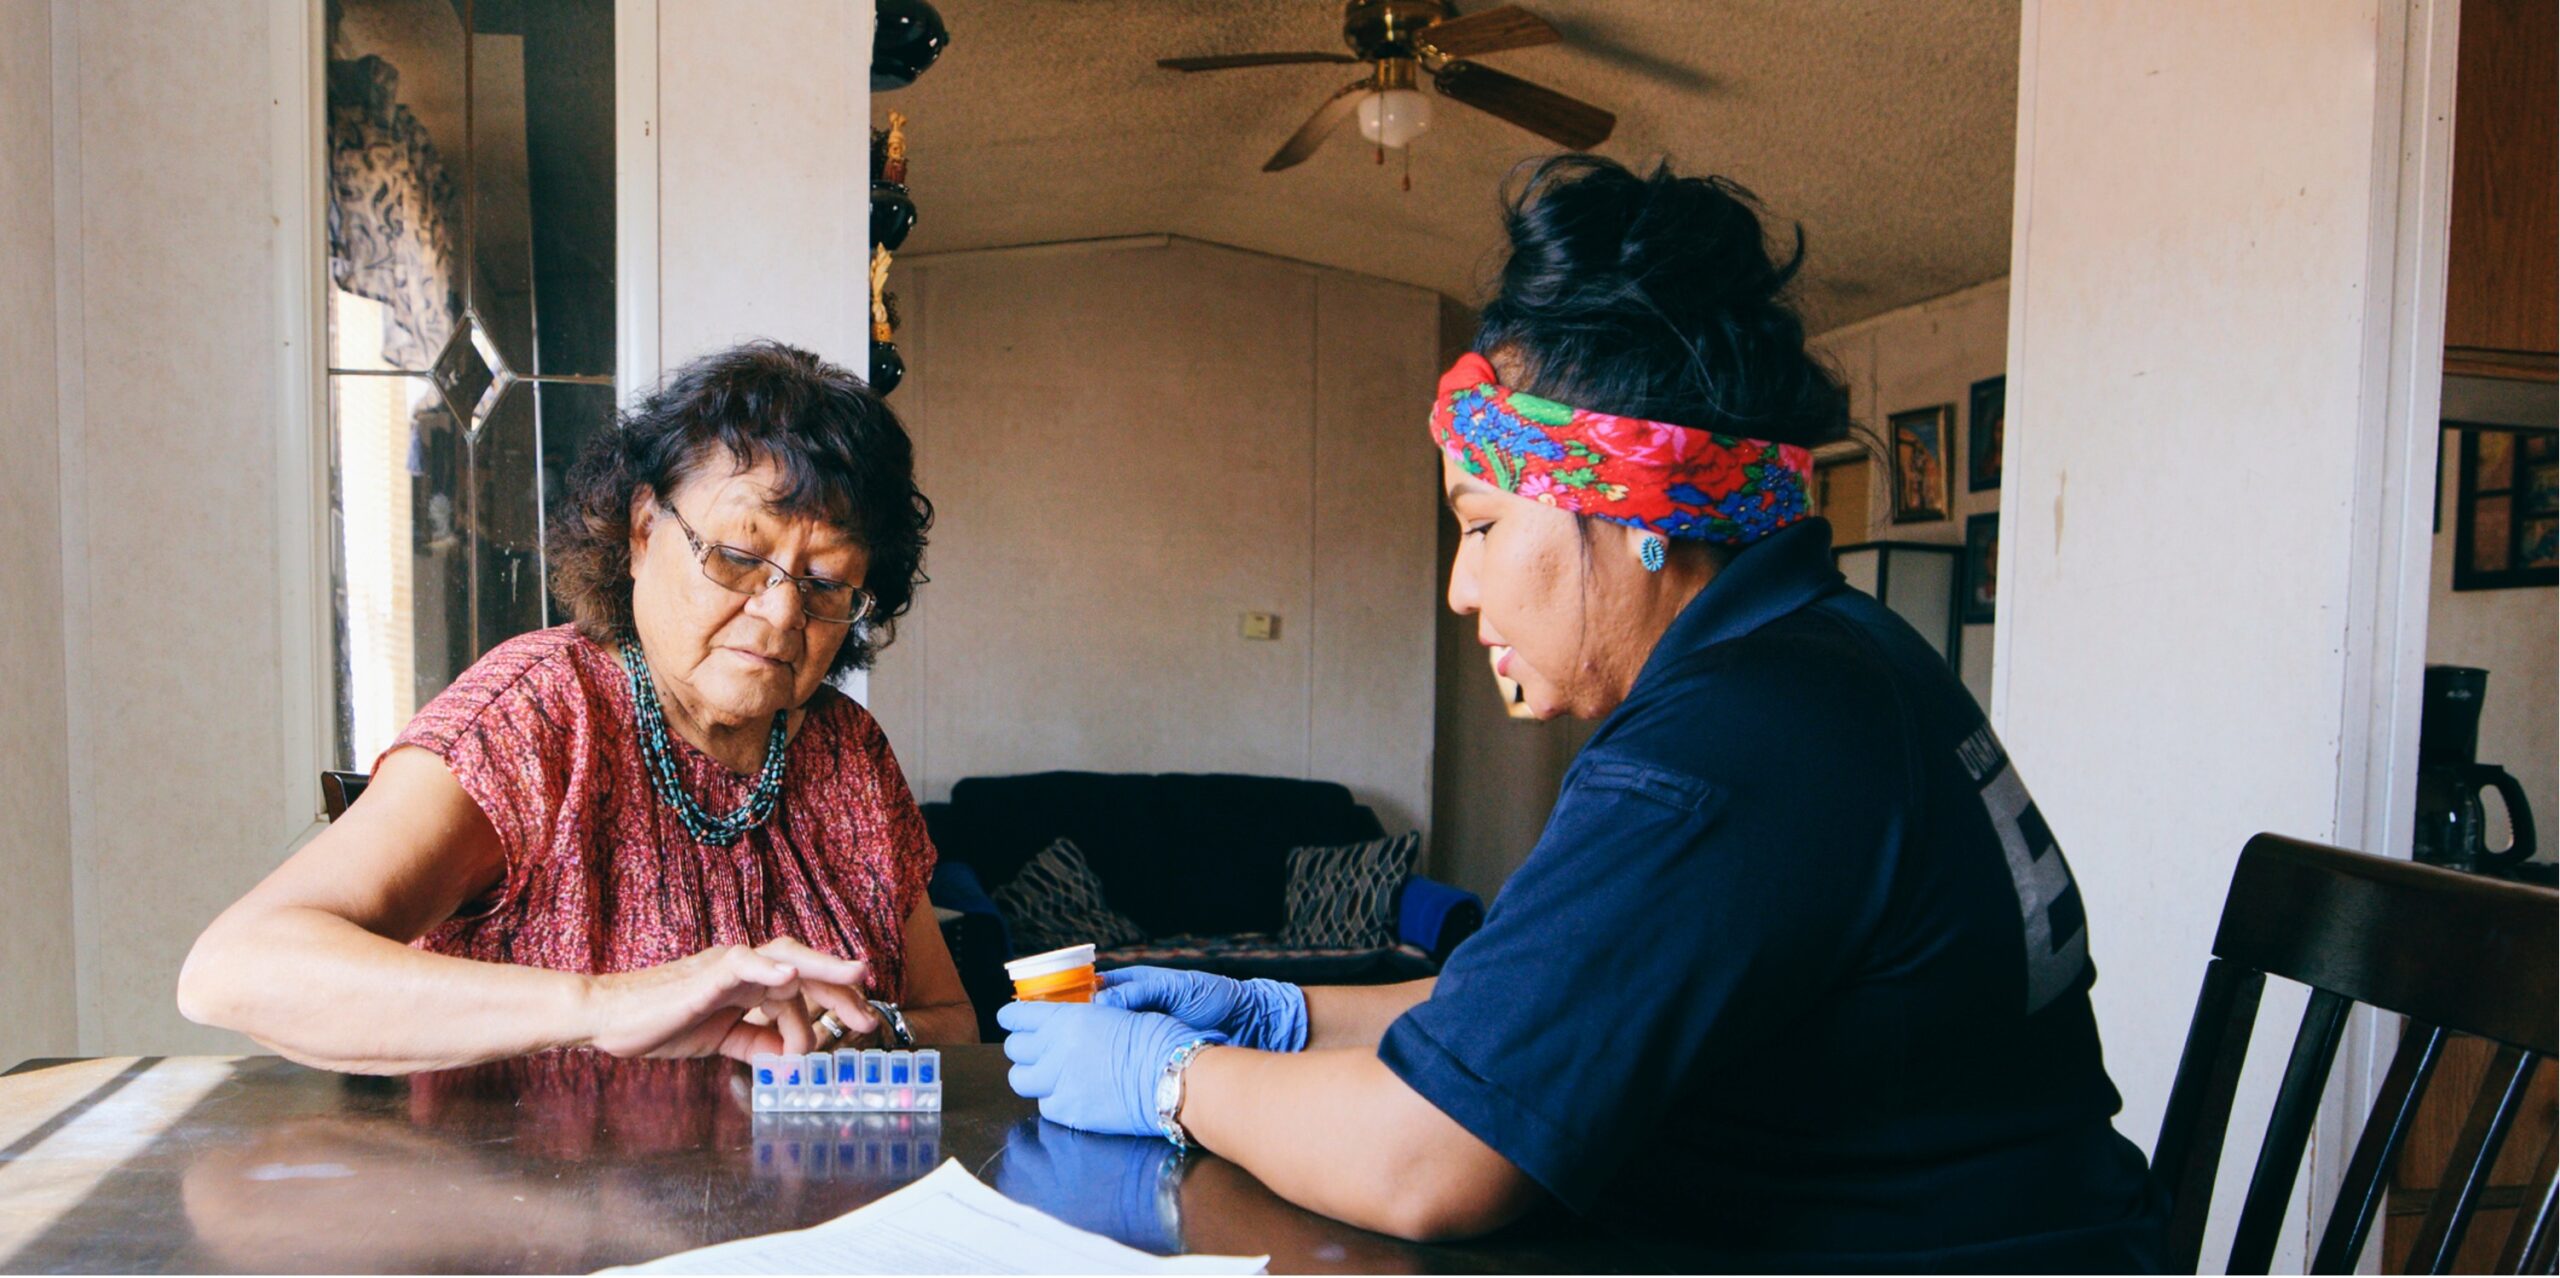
[[843, 455]]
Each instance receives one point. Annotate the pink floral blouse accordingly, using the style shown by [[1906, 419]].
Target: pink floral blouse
[[601, 876]]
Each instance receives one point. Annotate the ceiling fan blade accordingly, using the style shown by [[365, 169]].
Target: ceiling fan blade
[[1568, 122], [1492, 31], [1231, 61], [1311, 134]]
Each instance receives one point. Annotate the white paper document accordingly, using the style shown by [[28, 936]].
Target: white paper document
[[947, 1222]]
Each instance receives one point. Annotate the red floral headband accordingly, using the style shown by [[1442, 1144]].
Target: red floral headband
[[1677, 481]]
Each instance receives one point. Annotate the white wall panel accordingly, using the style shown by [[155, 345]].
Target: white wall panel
[[1130, 444], [36, 1006], [2204, 299]]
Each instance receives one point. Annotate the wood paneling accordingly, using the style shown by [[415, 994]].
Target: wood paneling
[[2444, 1104], [2504, 253]]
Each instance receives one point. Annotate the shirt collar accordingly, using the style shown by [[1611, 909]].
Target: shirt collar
[[1785, 571]]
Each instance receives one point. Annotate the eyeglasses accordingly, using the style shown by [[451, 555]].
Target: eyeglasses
[[732, 569]]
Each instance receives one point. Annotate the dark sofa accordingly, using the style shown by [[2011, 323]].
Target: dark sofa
[[1199, 861]]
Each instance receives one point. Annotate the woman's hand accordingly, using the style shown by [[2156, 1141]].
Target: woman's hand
[[827, 984], [1091, 1067], [731, 1000], [1266, 1015]]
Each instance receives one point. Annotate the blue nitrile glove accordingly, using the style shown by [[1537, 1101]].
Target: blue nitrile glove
[[1093, 1068], [1265, 1015]]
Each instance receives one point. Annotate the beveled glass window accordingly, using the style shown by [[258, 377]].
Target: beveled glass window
[[470, 214]]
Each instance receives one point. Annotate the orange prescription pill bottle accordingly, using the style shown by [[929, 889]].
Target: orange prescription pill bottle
[[1059, 976]]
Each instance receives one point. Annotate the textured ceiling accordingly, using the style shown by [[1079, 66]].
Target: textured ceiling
[[1886, 127]]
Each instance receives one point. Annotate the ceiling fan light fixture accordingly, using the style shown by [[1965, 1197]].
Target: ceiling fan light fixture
[[1401, 40], [1394, 117]]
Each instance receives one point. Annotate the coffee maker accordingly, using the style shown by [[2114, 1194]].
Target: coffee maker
[[2452, 823]]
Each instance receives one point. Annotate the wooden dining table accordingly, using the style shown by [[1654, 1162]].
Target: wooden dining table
[[571, 1162]]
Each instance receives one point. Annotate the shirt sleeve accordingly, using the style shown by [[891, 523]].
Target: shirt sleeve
[[504, 730], [1663, 923]]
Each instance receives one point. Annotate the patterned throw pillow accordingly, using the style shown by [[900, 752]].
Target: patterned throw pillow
[[1056, 901], [1344, 898]]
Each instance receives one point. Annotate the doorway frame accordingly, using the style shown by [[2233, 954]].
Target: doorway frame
[[2391, 557]]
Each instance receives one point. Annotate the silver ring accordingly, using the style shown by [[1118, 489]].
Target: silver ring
[[830, 1029]]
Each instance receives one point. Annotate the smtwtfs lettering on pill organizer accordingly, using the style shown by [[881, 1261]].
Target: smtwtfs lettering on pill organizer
[[870, 1079]]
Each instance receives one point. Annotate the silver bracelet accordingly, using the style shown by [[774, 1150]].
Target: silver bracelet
[[1169, 1093], [895, 1022]]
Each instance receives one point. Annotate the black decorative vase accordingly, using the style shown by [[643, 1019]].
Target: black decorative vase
[[906, 36], [893, 214], [887, 370]]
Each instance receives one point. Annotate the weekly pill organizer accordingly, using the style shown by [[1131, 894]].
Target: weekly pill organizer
[[850, 1080]]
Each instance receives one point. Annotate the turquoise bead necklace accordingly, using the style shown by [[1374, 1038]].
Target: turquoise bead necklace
[[659, 752]]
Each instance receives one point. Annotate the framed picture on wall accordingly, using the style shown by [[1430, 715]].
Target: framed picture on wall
[[1981, 584], [1920, 486], [1840, 488], [1982, 434], [2506, 510], [2442, 444]]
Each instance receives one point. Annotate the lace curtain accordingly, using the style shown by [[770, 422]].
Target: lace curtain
[[393, 212]]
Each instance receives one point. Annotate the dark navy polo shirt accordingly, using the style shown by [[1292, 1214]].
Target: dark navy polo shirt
[[1795, 968]]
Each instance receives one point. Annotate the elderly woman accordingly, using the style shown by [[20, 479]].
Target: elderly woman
[[658, 831], [1795, 970]]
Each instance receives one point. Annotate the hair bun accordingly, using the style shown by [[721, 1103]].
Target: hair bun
[[1589, 235], [1656, 295]]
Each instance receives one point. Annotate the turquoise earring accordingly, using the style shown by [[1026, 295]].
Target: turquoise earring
[[1652, 550]]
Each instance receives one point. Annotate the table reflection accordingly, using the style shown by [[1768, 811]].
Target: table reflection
[[1122, 1187], [578, 1105], [1140, 1191], [553, 1159], [338, 1194], [571, 1162], [888, 1148]]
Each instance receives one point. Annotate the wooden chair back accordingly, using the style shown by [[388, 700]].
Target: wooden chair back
[[338, 790], [2453, 953]]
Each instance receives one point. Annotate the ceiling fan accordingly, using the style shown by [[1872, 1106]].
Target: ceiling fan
[[1404, 39]]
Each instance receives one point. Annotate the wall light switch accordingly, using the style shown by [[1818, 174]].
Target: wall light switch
[[1262, 625]]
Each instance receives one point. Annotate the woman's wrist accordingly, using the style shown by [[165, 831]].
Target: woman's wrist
[[1282, 1022], [584, 1018], [1200, 1074], [1197, 1049], [894, 1031]]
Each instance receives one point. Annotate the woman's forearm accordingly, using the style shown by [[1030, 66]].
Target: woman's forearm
[[937, 1005], [1358, 1015], [325, 992], [936, 1024], [1337, 1132]]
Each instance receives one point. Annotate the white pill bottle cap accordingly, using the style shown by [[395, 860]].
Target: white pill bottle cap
[[1066, 960]]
